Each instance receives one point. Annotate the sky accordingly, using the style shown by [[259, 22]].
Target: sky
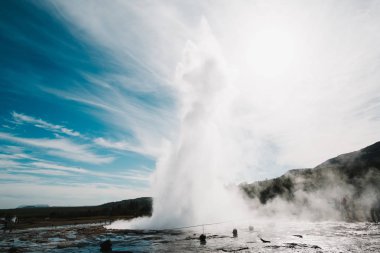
[[91, 100]]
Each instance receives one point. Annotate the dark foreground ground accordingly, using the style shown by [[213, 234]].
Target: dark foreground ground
[[278, 237]]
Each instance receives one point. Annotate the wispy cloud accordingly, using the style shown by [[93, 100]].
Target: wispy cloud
[[141, 174], [18, 178], [14, 160], [132, 48], [14, 169], [18, 156], [136, 98], [22, 118], [62, 148], [121, 145], [147, 123], [49, 165], [124, 145], [132, 174], [6, 163], [46, 172], [10, 156]]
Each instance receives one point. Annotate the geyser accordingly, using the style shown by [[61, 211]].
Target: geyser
[[191, 181]]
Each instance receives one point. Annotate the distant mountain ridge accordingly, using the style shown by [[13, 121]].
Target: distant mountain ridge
[[352, 180], [33, 206], [131, 207]]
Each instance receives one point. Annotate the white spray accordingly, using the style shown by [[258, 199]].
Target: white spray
[[191, 180]]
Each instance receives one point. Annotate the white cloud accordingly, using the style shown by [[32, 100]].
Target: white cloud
[[11, 163], [48, 165], [22, 118], [13, 157], [6, 163], [46, 172], [15, 171], [148, 124], [121, 145], [152, 66], [124, 145], [19, 178], [17, 156], [140, 175], [62, 148], [160, 22]]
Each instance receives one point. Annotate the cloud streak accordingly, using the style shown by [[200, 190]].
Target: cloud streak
[[146, 125], [61, 147], [131, 175], [125, 146], [25, 164], [20, 118], [135, 99]]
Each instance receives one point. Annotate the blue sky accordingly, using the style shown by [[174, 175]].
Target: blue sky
[[55, 128], [102, 102]]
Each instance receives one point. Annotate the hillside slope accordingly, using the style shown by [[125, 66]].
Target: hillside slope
[[349, 183]]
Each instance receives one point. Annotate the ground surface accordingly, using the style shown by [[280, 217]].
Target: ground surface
[[283, 237]]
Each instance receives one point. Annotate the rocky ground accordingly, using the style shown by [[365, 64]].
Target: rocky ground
[[264, 237], [49, 238]]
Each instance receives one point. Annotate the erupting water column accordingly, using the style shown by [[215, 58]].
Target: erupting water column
[[190, 181]]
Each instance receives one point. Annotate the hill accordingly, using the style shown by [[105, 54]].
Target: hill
[[348, 183], [33, 206]]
